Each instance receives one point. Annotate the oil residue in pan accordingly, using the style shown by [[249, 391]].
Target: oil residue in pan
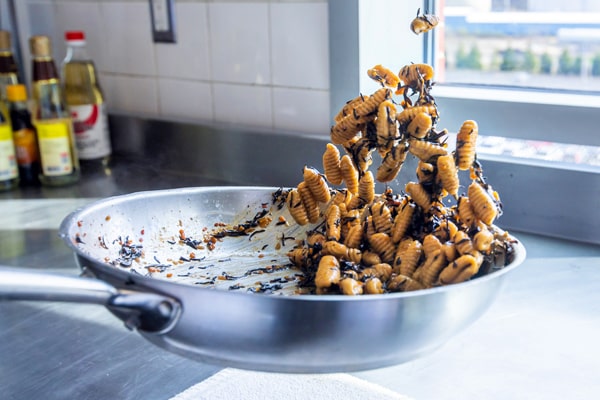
[[249, 253]]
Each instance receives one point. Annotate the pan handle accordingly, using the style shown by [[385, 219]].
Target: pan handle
[[148, 312]]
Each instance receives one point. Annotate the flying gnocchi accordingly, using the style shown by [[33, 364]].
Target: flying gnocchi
[[423, 22]]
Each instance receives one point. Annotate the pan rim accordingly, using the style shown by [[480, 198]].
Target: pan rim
[[520, 254]]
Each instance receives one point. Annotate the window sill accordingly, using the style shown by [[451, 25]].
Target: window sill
[[517, 95]]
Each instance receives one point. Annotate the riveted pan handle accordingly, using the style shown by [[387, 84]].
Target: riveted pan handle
[[148, 312]]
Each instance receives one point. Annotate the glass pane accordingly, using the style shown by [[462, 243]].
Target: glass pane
[[552, 44]]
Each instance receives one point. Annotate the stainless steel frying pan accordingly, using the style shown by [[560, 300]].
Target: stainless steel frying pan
[[153, 269]]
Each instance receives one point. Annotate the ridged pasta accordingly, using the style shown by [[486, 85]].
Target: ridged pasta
[[317, 185], [354, 236], [382, 217], [368, 108], [371, 258], [382, 245], [448, 174], [377, 243], [403, 283], [331, 164], [384, 76], [425, 150], [466, 141], [349, 106], [328, 273], [296, 208], [342, 252], [392, 163], [346, 129], [425, 172], [419, 195], [366, 187], [412, 74], [428, 271], [387, 130], [333, 223], [483, 239], [351, 287], [408, 257], [420, 125], [459, 270], [402, 221], [405, 116], [382, 271], [445, 230], [482, 204], [373, 286], [449, 250], [464, 244], [350, 174], [465, 211], [310, 203]]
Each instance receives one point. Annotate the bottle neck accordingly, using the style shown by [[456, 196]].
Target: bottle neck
[[7, 62], [76, 52], [43, 68]]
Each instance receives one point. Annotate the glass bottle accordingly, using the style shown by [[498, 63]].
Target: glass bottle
[[9, 174], [9, 74], [28, 155], [56, 140], [85, 101]]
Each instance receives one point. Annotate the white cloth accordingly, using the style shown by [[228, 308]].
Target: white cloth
[[232, 383]]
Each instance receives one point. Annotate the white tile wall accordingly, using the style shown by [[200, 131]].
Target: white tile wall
[[127, 93], [301, 110], [189, 58], [128, 38], [81, 16], [243, 104], [240, 42], [185, 98], [300, 45], [251, 62]]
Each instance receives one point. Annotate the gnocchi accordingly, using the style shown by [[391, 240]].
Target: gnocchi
[[369, 243]]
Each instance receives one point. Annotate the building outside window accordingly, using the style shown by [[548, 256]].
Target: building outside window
[[543, 47]]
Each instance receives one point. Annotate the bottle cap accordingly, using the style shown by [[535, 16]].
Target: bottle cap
[[16, 92], [74, 36], [40, 46], [5, 42]]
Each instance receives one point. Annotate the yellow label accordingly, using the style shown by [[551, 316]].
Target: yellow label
[[5, 132], [52, 129], [55, 149], [8, 159]]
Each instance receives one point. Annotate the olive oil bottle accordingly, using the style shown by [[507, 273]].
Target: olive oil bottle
[[54, 126], [85, 101]]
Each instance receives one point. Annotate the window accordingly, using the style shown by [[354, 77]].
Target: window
[[531, 68], [534, 138], [542, 44]]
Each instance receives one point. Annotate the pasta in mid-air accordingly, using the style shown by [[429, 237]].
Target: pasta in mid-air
[[434, 231]]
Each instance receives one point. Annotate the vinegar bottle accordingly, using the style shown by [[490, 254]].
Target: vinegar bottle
[[60, 163], [9, 174], [85, 101], [8, 68], [28, 155]]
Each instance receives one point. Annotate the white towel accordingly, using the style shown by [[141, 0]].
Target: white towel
[[232, 383]]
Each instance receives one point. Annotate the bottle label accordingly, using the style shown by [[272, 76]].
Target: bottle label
[[54, 147], [91, 130], [8, 159], [26, 147]]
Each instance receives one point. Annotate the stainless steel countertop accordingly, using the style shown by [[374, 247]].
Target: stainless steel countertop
[[538, 341]]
